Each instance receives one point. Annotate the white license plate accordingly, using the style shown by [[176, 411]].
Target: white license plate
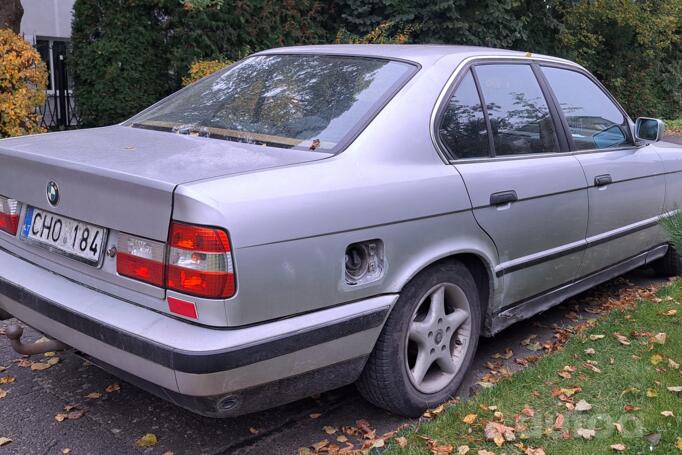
[[64, 235]]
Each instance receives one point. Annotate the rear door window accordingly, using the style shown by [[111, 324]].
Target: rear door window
[[519, 113], [462, 129], [594, 120]]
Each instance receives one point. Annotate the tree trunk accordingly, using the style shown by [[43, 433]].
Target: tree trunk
[[11, 13]]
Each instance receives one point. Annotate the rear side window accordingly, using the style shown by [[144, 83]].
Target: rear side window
[[519, 114], [463, 131], [594, 120]]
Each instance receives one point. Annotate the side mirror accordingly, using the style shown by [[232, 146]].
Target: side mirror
[[649, 129]]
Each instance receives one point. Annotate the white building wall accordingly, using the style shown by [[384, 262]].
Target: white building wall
[[46, 19]]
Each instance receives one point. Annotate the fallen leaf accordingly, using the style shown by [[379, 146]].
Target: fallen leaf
[[667, 414], [4, 441], [60, 417], [469, 419], [3, 393], [75, 415], [582, 406], [499, 433], [7, 379], [617, 447], [318, 445], [559, 421], [596, 337], [508, 354], [304, 451], [678, 443], [527, 411], [93, 395], [622, 339], [629, 390], [252, 430], [329, 430], [401, 440], [485, 452], [670, 313], [534, 347], [586, 433], [113, 388], [630, 408], [590, 351], [148, 440], [674, 365], [656, 359], [315, 415], [66, 450], [463, 450], [39, 366], [651, 393], [379, 443], [676, 389], [52, 361], [660, 338], [619, 427]]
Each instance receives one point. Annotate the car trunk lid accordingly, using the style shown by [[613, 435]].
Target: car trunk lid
[[123, 178]]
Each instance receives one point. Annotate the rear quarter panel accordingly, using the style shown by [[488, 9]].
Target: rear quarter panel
[[290, 226]]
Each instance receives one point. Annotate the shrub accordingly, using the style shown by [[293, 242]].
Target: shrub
[[384, 33], [119, 59], [23, 79], [203, 68], [633, 47]]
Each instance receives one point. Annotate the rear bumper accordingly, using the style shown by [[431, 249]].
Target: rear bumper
[[187, 363]]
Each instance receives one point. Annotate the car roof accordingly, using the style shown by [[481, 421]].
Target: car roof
[[423, 54]]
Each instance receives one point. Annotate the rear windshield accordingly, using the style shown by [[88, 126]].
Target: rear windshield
[[310, 102]]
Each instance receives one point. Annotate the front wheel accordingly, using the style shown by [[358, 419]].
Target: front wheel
[[669, 265], [427, 343]]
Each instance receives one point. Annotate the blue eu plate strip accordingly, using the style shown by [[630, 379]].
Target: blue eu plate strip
[[27, 222]]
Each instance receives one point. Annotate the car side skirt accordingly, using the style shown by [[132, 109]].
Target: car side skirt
[[537, 304]]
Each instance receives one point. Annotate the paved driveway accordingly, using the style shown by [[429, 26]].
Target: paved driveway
[[114, 421]]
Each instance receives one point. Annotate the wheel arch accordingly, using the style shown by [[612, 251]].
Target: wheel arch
[[479, 263]]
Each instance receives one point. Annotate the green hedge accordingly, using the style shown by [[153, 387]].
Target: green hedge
[[129, 53]]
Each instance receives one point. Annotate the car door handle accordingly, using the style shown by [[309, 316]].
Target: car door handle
[[602, 180], [503, 197]]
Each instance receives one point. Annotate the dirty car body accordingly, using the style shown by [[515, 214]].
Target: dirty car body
[[250, 252]]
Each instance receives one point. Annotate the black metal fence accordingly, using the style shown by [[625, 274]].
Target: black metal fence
[[60, 110]]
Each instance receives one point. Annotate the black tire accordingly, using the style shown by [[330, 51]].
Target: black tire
[[669, 265], [385, 381]]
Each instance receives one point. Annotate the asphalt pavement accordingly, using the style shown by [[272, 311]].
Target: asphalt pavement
[[113, 421]]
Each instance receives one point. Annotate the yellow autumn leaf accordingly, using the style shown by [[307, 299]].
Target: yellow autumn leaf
[[656, 359], [651, 393], [469, 419], [148, 440]]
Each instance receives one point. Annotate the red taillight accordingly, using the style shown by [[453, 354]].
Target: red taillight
[[9, 215], [200, 262], [141, 259], [197, 262]]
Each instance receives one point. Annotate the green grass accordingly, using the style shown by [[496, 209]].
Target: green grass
[[624, 369]]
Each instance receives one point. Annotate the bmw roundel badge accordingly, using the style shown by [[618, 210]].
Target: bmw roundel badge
[[52, 193]]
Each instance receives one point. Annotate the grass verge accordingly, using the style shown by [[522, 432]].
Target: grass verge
[[612, 389]]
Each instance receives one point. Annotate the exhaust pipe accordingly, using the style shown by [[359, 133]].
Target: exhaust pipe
[[14, 334]]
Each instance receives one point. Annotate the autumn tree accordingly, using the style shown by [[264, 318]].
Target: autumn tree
[[11, 13]]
